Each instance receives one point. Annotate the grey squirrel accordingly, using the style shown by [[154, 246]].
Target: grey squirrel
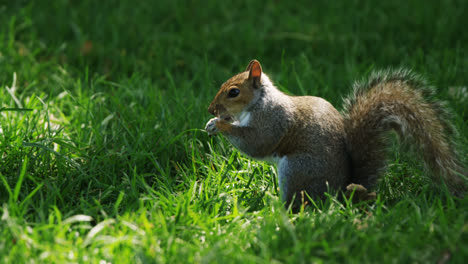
[[314, 145]]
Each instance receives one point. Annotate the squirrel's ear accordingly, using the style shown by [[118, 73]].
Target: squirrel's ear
[[250, 65], [255, 72]]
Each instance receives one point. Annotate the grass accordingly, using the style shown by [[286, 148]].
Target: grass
[[103, 158]]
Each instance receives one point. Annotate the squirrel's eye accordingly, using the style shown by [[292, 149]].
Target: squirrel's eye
[[233, 92]]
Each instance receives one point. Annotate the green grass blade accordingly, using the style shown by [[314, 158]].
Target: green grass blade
[[20, 179], [7, 187]]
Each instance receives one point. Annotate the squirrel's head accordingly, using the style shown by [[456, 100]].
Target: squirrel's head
[[237, 92]]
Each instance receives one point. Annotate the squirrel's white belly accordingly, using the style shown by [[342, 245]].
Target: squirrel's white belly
[[282, 164], [282, 183]]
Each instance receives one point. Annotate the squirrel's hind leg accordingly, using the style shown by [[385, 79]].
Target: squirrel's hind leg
[[301, 176]]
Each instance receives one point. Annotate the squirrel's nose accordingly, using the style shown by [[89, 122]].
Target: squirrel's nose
[[211, 109]]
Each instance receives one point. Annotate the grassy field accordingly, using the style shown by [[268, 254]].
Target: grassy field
[[103, 156]]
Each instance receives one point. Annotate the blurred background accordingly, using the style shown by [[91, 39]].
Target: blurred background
[[329, 43]]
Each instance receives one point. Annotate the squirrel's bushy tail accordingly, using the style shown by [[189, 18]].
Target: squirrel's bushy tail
[[402, 101]]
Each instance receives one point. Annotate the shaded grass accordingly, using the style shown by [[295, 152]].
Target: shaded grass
[[102, 156]]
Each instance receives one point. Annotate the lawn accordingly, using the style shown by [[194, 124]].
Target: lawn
[[104, 158]]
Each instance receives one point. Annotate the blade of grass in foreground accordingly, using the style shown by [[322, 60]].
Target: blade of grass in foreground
[[15, 109]]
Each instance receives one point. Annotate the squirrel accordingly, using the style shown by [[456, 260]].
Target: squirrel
[[315, 147]]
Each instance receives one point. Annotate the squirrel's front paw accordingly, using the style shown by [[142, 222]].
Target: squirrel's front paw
[[211, 128]]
